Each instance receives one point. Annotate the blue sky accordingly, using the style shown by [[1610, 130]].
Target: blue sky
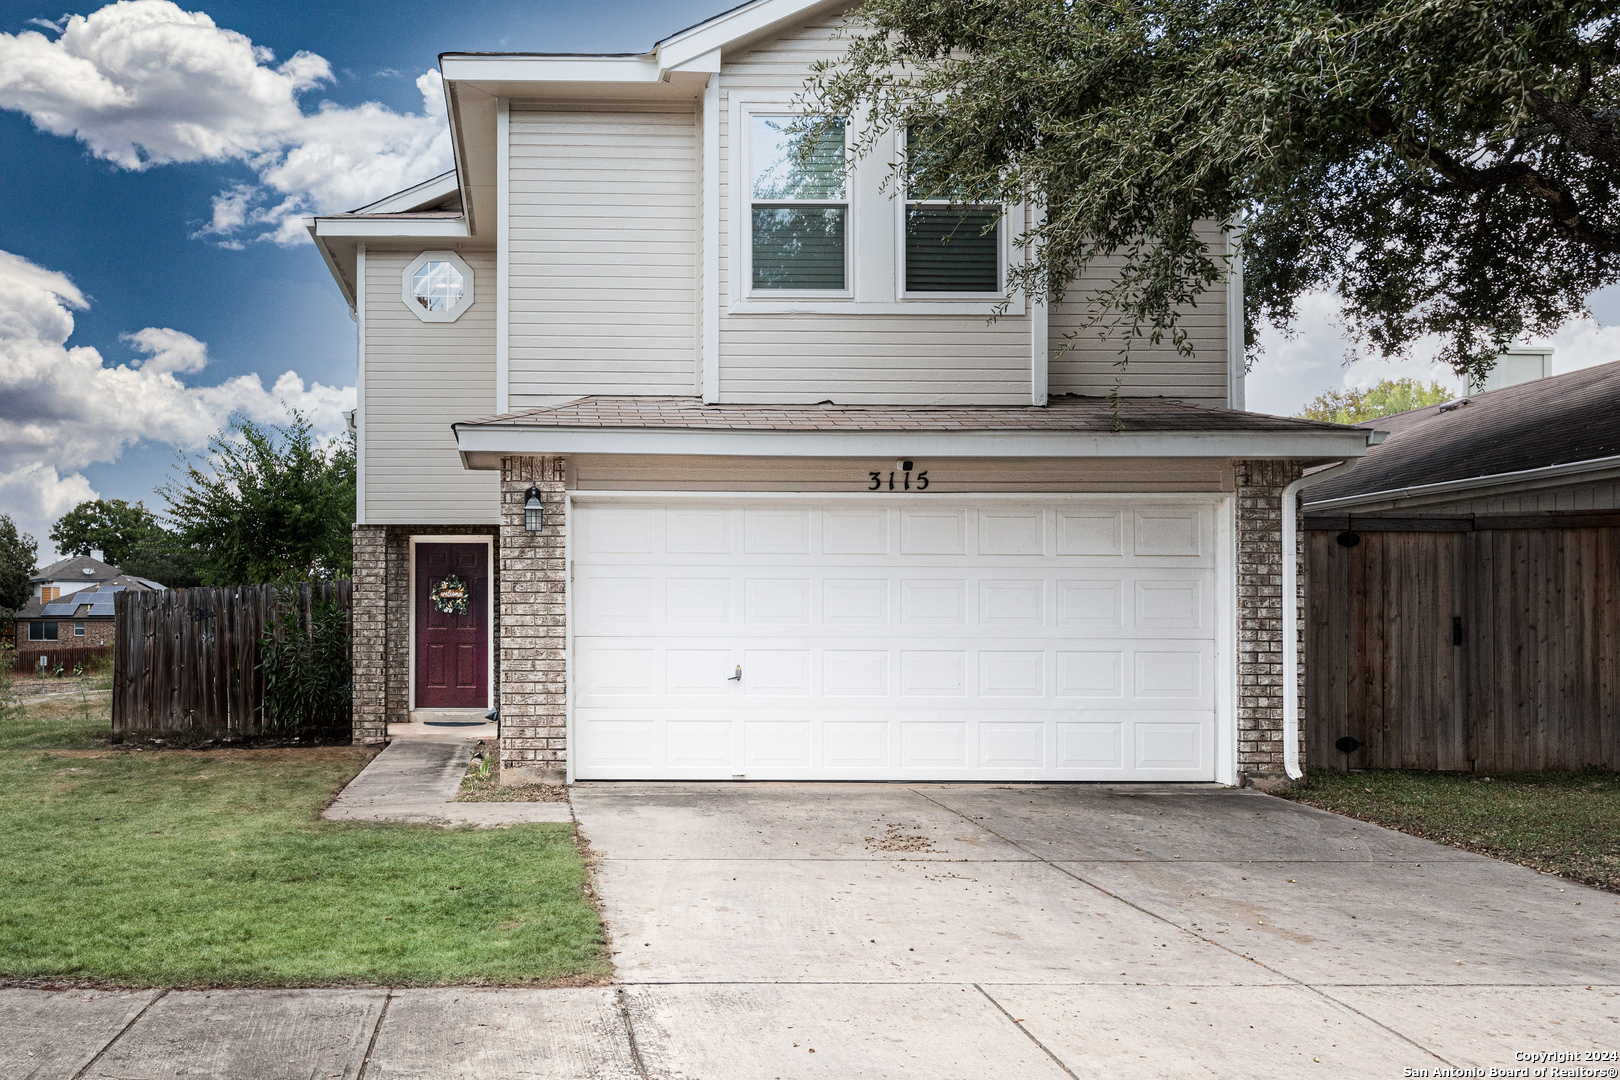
[[125, 237], [153, 276]]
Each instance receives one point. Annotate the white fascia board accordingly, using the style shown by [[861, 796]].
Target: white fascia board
[[426, 193], [1569, 471], [550, 69], [382, 228], [734, 25], [485, 440], [332, 266]]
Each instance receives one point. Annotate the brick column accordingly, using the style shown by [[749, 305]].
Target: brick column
[[533, 686], [369, 629], [1259, 615]]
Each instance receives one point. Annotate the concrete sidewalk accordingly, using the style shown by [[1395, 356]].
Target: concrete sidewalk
[[415, 780], [783, 930]]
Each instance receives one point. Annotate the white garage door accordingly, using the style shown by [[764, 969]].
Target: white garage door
[[1062, 639]]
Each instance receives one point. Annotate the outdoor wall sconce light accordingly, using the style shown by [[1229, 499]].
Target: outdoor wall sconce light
[[534, 515]]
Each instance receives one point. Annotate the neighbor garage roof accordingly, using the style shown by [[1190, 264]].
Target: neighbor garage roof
[[1553, 421]]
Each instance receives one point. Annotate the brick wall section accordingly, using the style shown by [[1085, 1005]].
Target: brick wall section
[[369, 629], [1259, 615], [382, 621], [533, 606], [96, 632]]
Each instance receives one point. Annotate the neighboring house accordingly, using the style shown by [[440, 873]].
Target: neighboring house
[[1465, 585], [69, 575], [700, 463], [82, 617]]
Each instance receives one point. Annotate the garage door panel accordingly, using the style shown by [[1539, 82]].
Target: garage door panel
[[698, 531], [933, 532], [777, 532], [1013, 531], [1167, 532], [776, 601], [777, 744], [855, 532], [933, 602], [1012, 673], [1012, 602], [855, 601], [1091, 603], [855, 672], [1094, 533], [697, 601], [940, 641]]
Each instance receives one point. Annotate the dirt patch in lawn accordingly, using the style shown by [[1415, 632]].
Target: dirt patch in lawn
[[483, 784]]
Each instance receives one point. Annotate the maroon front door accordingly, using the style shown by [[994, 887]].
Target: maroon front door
[[452, 648]]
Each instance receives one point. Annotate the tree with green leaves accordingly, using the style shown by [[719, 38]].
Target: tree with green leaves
[[1384, 398], [17, 553], [267, 503], [111, 526], [1447, 167]]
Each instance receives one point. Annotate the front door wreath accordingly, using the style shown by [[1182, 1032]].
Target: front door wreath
[[450, 596]]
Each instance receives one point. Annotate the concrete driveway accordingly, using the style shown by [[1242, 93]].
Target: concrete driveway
[[838, 931], [1077, 931]]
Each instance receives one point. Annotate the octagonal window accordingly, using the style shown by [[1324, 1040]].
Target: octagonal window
[[437, 286]]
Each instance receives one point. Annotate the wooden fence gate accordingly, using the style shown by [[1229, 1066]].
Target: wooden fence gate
[[188, 659], [1463, 643]]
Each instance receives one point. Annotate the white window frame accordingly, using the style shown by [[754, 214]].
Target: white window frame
[[903, 200], [407, 294], [78, 628], [744, 187], [874, 268]]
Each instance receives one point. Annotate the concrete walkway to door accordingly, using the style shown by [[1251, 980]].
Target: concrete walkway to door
[[985, 931]]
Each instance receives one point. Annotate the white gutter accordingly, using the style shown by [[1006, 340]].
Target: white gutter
[[1472, 483], [499, 440], [1290, 611]]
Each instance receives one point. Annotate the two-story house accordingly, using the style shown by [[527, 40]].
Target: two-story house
[[705, 460]]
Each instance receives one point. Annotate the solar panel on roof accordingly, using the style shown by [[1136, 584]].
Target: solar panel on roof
[[112, 588], [101, 609], [61, 609]]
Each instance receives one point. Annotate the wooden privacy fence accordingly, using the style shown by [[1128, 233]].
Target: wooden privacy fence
[[1463, 643], [188, 659]]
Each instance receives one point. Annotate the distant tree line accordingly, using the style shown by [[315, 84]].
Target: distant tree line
[[262, 503]]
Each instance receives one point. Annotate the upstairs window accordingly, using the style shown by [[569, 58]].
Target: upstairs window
[[952, 246], [437, 286], [799, 206]]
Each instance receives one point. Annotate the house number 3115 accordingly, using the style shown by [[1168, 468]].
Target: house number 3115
[[899, 478]]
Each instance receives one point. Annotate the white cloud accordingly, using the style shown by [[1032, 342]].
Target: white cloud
[[1293, 370], [144, 83], [167, 350], [63, 407], [34, 496]]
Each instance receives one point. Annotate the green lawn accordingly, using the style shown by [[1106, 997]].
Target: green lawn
[[1560, 822], [181, 868]]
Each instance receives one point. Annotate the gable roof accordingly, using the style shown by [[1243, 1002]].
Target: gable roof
[[96, 603], [1561, 421], [73, 569]]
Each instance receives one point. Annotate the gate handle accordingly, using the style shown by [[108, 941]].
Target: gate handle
[[737, 677]]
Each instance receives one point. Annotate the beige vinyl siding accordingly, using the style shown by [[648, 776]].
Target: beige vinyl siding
[[421, 378], [1081, 362], [604, 233], [859, 358], [694, 473]]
